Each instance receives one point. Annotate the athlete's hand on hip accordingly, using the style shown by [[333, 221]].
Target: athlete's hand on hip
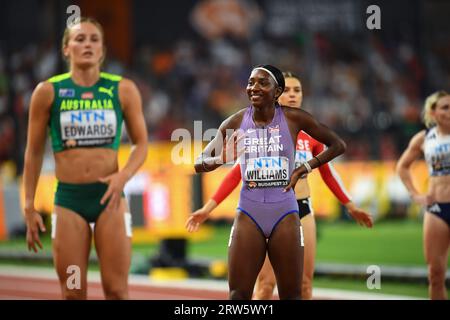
[[362, 217], [116, 183], [196, 218], [298, 173], [424, 199], [34, 224]]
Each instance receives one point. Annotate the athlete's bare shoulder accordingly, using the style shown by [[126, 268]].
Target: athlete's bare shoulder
[[234, 121], [44, 88], [127, 86], [126, 83], [128, 91], [297, 118], [43, 96], [417, 140], [292, 112]]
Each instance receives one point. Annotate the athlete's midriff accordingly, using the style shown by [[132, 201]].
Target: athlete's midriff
[[440, 188], [85, 165]]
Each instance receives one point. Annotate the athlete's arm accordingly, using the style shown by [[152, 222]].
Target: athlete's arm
[[224, 147], [331, 177], [301, 120], [201, 215], [40, 104], [229, 183], [131, 102], [412, 152], [334, 183], [227, 186]]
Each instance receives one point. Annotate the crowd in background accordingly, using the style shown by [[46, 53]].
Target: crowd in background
[[369, 91]]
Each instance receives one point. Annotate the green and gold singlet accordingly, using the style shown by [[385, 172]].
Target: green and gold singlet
[[83, 117]]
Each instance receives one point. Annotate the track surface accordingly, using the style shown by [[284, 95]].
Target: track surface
[[42, 284]]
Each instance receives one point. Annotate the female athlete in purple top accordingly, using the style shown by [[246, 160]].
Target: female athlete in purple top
[[266, 165], [264, 135]]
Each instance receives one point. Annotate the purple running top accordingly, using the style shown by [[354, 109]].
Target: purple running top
[[268, 158]]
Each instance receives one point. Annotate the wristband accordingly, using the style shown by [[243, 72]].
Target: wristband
[[307, 166]]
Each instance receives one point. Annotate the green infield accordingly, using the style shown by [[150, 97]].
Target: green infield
[[395, 243], [415, 290]]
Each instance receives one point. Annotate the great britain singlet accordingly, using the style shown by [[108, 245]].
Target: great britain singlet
[[85, 116], [268, 158], [437, 152]]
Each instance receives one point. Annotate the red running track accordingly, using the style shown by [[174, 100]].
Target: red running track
[[17, 287], [25, 284]]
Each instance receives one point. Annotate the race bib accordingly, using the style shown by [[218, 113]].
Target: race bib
[[88, 128], [267, 172]]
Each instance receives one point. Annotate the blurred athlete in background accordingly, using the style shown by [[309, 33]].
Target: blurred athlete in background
[[434, 143]]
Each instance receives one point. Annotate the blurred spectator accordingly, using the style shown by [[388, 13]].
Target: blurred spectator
[[368, 87]]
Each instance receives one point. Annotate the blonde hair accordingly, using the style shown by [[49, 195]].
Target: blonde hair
[[289, 74], [66, 36], [430, 105]]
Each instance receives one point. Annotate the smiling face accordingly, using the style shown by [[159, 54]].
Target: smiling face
[[441, 112], [83, 46], [292, 95], [262, 89]]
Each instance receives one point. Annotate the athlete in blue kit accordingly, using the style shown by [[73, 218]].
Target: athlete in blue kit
[[434, 143]]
